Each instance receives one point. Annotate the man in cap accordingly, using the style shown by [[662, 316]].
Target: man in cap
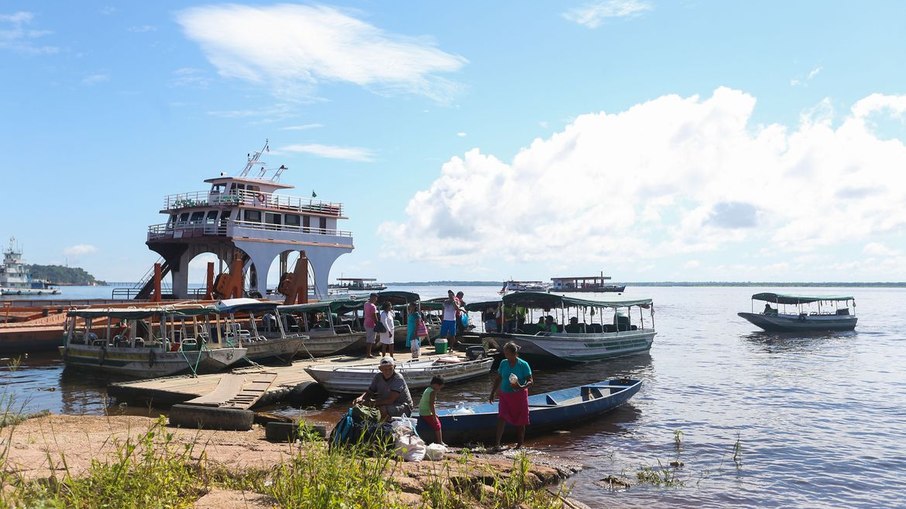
[[388, 392]]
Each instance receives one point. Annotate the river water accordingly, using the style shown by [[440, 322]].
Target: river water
[[756, 419]]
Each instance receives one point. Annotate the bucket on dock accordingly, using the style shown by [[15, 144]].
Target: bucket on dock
[[440, 346]]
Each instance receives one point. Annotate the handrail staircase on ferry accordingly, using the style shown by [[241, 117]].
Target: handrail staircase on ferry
[[146, 285]]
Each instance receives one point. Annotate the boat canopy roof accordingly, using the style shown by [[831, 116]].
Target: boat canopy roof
[[397, 297], [784, 298], [544, 300], [244, 304], [483, 305], [339, 306], [133, 313]]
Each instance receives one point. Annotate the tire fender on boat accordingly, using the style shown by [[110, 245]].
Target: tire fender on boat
[[152, 357], [103, 355]]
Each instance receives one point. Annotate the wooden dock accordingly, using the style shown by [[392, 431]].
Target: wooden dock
[[286, 383]]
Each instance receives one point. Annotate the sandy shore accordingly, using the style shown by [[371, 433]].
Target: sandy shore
[[38, 448]]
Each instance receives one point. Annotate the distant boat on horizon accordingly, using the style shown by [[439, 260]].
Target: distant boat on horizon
[[585, 284], [15, 278]]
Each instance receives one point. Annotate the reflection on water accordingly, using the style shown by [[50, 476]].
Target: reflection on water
[[767, 420], [795, 342]]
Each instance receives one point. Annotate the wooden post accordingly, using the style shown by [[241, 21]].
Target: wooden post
[[302, 295], [237, 277], [157, 275], [209, 288]]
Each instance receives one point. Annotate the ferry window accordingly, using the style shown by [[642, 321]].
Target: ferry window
[[291, 220], [183, 217], [217, 188], [253, 215], [271, 218], [306, 221], [212, 217], [172, 219], [197, 217], [323, 223]]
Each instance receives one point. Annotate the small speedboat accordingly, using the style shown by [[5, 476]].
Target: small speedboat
[[556, 410]]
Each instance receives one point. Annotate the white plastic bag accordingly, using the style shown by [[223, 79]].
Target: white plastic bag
[[435, 452], [406, 442], [410, 447]]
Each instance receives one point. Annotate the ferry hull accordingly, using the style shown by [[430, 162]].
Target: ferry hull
[[148, 362], [572, 348], [801, 323]]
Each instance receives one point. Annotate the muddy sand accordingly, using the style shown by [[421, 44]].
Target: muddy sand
[[38, 448]]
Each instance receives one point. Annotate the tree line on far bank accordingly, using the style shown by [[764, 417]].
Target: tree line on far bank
[[60, 275]]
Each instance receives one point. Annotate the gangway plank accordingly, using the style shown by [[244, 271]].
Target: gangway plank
[[237, 390]]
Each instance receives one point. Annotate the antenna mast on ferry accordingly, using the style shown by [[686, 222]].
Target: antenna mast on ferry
[[253, 160]]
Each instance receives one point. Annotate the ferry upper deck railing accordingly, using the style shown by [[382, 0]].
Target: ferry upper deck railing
[[252, 198], [187, 229]]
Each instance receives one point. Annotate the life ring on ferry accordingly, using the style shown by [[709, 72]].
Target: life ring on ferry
[[261, 198]]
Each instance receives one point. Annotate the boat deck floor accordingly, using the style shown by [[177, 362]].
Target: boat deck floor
[[240, 386]]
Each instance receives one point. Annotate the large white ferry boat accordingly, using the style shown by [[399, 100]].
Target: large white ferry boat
[[15, 278], [247, 224]]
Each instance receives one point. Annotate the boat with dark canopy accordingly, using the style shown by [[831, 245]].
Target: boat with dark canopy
[[803, 313], [573, 329]]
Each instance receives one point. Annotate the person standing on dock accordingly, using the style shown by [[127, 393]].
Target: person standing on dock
[[460, 315], [370, 318], [387, 339], [513, 378], [448, 325]]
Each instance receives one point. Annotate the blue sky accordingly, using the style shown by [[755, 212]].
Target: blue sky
[[685, 140]]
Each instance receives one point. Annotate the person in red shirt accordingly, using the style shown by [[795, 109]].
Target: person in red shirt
[[370, 319]]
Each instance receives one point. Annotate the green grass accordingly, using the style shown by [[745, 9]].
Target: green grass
[[154, 471]]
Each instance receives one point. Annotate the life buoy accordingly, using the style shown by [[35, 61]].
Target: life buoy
[[261, 197]]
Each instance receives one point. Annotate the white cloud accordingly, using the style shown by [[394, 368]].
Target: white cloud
[[94, 79], [593, 15], [461, 134], [879, 249], [670, 176], [15, 35], [795, 82], [294, 48], [332, 152], [303, 127], [140, 29], [79, 250], [189, 77]]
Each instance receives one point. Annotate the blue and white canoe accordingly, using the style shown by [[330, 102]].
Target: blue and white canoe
[[549, 411]]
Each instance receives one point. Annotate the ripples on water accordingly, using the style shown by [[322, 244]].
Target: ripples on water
[[819, 419]]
